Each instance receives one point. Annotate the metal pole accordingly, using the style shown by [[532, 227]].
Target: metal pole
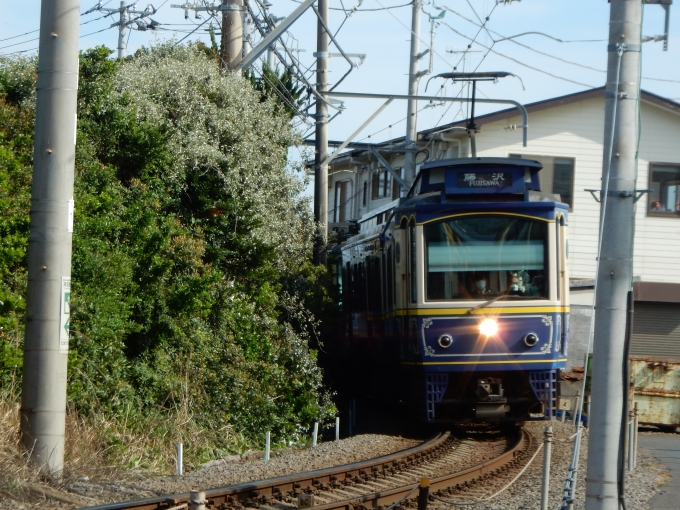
[[267, 446], [337, 428], [43, 400], [636, 422], [547, 450], [577, 409], [232, 33], [412, 108], [315, 434], [180, 459], [588, 401], [631, 438], [614, 274], [321, 145], [122, 30]]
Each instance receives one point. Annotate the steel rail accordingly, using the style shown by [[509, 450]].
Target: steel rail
[[266, 492], [387, 497], [295, 482]]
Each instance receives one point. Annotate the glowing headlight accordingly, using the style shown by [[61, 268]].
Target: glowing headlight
[[488, 327]]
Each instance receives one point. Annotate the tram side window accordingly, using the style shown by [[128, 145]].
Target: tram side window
[[486, 257], [412, 260]]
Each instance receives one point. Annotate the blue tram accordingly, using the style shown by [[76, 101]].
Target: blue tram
[[458, 295]]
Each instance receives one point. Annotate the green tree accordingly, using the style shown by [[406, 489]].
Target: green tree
[[188, 292]]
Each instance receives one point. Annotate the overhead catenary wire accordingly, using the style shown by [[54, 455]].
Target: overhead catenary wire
[[555, 57], [490, 48]]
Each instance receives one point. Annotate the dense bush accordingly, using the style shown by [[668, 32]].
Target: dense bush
[[190, 274]]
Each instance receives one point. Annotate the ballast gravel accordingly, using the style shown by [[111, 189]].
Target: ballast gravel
[[524, 493]]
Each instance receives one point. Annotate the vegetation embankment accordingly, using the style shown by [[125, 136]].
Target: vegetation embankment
[[193, 301]]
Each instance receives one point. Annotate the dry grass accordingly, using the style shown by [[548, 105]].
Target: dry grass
[[104, 447]]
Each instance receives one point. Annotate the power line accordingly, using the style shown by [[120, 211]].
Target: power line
[[518, 61], [570, 62], [20, 35], [34, 31], [194, 30]]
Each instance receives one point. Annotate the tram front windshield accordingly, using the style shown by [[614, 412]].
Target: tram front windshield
[[481, 257]]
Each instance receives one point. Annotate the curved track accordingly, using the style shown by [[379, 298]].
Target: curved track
[[447, 460]]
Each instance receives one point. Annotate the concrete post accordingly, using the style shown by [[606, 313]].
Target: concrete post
[[122, 30], [337, 428], [232, 33], [180, 459], [315, 434], [267, 446], [321, 143], [423, 493], [614, 273], [413, 82], [43, 399], [197, 500]]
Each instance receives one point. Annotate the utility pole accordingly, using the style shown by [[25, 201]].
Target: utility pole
[[232, 33], [321, 145], [43, 398], [615, 264], [126, 20], [122, 29], [412, 109]]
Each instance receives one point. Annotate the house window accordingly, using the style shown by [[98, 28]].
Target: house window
[[396, 189], [341, 200], [664, 181], [382, 184], [365, 195], [557, 176]]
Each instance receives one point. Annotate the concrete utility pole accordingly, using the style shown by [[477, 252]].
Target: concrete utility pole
[[413, 80], [232, 33], [321, 146], [43, 399], [127, 20], [615, 267]]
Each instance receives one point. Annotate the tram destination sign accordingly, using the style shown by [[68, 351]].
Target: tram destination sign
[[484, 179]]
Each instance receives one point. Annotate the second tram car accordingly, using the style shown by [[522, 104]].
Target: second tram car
[[458, 294]]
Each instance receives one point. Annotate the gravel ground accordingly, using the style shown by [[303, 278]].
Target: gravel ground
[[523, 494]]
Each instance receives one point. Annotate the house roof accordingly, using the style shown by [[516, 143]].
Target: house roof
[[508, 113], [545, 104]]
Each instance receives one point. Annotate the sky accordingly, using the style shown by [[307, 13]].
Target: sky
[[383, 34]]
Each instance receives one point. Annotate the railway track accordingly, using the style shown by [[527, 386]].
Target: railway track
[[450, 462]]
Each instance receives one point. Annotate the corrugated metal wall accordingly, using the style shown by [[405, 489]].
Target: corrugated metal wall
[[656, 330]]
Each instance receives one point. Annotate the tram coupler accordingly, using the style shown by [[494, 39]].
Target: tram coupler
[[492, 404]]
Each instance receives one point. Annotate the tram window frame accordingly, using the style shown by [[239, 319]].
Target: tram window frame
[[566, 192], [467, 294], [661, 193]]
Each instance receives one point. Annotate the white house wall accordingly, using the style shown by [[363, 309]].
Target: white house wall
[[576, 131]]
